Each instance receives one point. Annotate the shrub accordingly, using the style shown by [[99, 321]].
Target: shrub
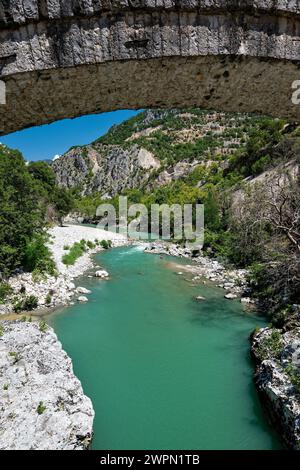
[[272, 346], [37, 256], [5, 291], [37, 276], [48, 299], [15, 355], [75, 252], [41, 408], [90, 244], [106, 244], [66, 247], [30, 302], [294, 374], [43, 326], [18, 305], [1, 331]]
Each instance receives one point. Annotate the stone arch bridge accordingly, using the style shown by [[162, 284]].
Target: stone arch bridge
[[65, 58]]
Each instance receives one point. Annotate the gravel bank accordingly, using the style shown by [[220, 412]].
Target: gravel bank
[[58, 291], [70, 234], [232, 280]]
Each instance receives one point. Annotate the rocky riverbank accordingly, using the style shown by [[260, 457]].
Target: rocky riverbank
[[232, 280], [43, 406], [277, 356], [60, 290]]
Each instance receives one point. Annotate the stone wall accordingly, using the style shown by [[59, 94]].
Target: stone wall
[[63, 58]]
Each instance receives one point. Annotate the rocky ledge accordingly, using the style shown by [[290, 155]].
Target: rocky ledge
[[42, 403], [232, 280], [277, 377]]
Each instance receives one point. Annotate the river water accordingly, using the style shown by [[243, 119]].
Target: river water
[[163, 371]]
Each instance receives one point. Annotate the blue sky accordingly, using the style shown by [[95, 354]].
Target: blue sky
[[44, 142]]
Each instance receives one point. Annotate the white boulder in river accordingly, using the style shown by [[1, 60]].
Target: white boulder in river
[[83, 290], [82, 298], [42, 403], [101, 273], [230, 296]]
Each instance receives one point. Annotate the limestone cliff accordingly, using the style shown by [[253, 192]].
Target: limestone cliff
[[277, 354], [42, 403], [109, 170]]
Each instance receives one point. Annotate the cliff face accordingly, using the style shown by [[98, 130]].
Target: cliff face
[[105, 169], [42, 403], [277, 354]]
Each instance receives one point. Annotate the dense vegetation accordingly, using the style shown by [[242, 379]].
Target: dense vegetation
[[29, 200]]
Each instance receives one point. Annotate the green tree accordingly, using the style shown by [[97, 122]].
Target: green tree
[[20, 214], [64, 202], [43, 175], [212, 210]]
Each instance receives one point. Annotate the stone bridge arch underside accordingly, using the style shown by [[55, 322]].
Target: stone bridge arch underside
[[62, 59]]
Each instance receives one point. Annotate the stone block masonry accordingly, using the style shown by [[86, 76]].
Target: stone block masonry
[[62, 59]]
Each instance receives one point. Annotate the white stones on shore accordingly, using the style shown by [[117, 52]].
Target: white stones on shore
[[233, 280], [167, 249], [50, 291], [230, 296], [246, 300], [82, 298], [102, 274]]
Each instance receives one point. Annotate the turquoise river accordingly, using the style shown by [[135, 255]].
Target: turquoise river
[[163, 371]]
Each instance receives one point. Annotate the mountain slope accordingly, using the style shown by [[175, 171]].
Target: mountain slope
[[153, 149]]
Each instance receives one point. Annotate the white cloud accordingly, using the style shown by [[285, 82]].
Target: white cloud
[[56, 157]]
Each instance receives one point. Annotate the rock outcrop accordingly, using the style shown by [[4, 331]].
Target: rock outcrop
[[107, 169], [277, 354], [42, 404]]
